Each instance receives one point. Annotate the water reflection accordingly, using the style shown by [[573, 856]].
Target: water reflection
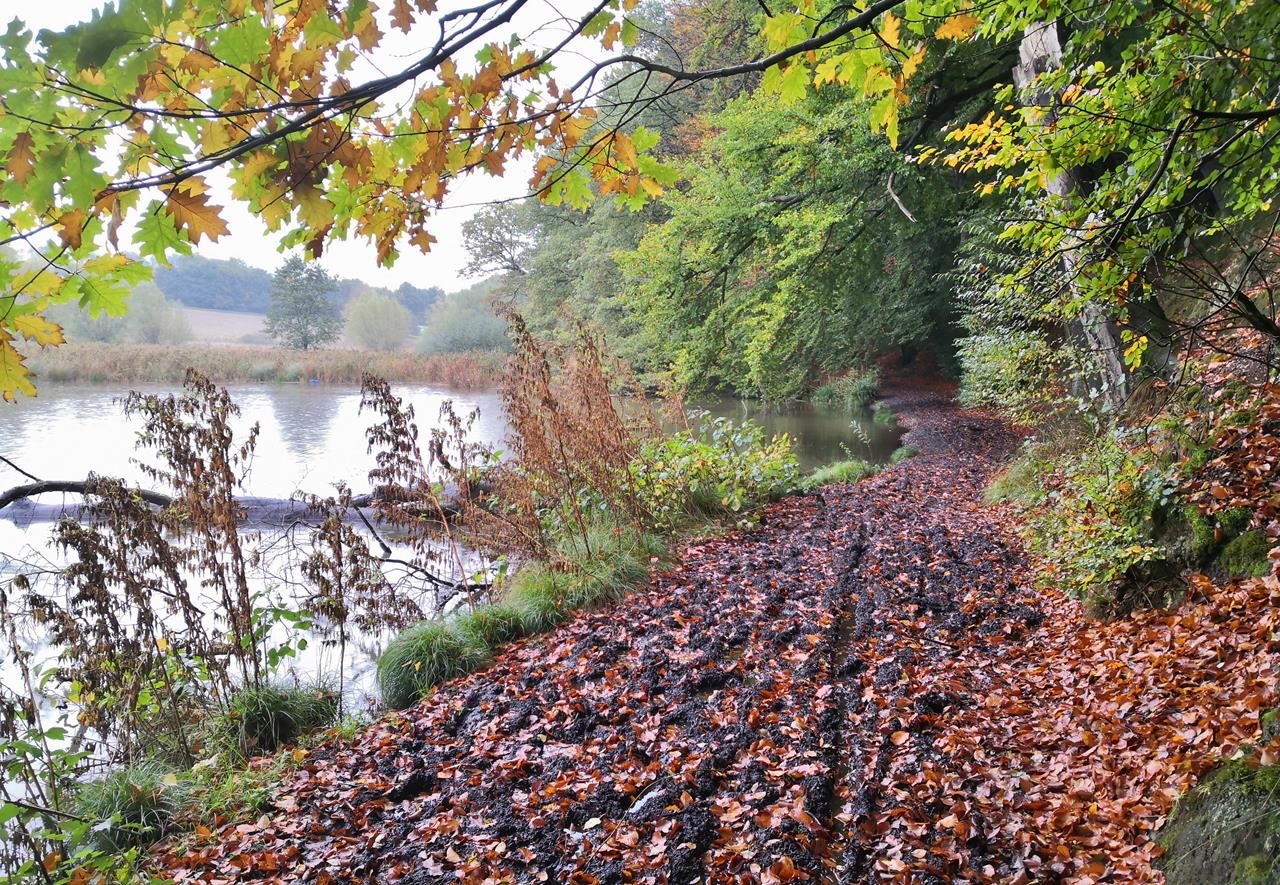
[[819, 435]]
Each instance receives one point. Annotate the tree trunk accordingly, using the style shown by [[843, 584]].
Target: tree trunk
[[1038, 52]]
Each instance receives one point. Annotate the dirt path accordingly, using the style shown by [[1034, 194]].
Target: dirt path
[[850, 693], [736, 719]]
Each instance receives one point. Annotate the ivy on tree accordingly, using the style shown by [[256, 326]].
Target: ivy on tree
[[301, 314]]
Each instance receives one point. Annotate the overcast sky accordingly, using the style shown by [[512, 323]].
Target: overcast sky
[[249, 240]]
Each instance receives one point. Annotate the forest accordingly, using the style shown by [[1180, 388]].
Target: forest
[[1034, 639]]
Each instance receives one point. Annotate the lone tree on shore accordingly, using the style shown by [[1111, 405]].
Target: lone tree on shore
[[301, 314]]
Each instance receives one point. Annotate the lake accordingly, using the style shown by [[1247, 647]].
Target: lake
[[312, 436]]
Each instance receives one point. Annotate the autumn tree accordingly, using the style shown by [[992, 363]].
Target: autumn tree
[[126, 116], [301, 314]]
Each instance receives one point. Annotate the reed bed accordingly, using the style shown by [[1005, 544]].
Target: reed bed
[[167, 364]]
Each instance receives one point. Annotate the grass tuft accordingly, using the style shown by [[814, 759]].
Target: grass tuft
[[852, 392], [852, 470], [425, 654], [902, 453], [259, 720], [133, 806]]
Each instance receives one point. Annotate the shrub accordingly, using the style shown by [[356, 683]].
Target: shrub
[[720, 468], [462, 322], [853, 391], [258, 720], [424, 655], [134, 806], [376, 321], [537, 596], [851, 470], [1094, 527], [902, 453]]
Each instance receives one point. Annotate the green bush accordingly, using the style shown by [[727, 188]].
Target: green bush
[[537, 596], [851, 470], [853, 391], [1094, 524], [424, 655], [902, 453], [258, 720], [133, 806], [720, 468], [377, 321]]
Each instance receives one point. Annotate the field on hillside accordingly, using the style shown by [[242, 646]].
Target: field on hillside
[[226, 326]]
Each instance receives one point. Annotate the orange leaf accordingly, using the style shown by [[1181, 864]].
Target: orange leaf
[[190, 208]]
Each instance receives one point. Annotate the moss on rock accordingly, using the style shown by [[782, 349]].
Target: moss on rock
[[1245, 556], [1270, 726], [1227, 830]]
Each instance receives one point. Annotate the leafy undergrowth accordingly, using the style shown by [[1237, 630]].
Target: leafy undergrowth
[[869, 687]]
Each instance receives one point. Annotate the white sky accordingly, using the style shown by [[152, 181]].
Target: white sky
[[249, 240]]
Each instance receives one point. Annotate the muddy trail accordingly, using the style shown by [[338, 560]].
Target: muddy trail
[[809, 701]]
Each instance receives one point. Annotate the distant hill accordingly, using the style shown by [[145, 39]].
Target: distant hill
[[232, 285]]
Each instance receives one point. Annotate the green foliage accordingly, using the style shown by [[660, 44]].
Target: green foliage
[[1245, 556], [221, 788], [301, 314], [853, 391], [902, 453], [152, 319], [464, 322], [491, 626], [1093, 527], [132, 806], [718, 468], [781, 262], [422, 656], [259, 720], [851, 470], [378, 322]]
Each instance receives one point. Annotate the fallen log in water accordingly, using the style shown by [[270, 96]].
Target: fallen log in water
[[17, 507]]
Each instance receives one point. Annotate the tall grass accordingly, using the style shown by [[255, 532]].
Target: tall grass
[[229, 364], [540, 597], [853, 391]]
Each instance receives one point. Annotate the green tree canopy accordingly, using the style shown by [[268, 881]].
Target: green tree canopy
[[302, 315], [376, 321]]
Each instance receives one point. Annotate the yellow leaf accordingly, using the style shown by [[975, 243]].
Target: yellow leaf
[[71, 228], [910, 66], [169, 780], [189, 206], [891, 30], [314, 208], [957, 27], [34, 327], [624, 151], [15, 377]]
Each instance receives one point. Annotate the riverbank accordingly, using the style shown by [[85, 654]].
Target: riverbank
[[870, 685], [235, 364]]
